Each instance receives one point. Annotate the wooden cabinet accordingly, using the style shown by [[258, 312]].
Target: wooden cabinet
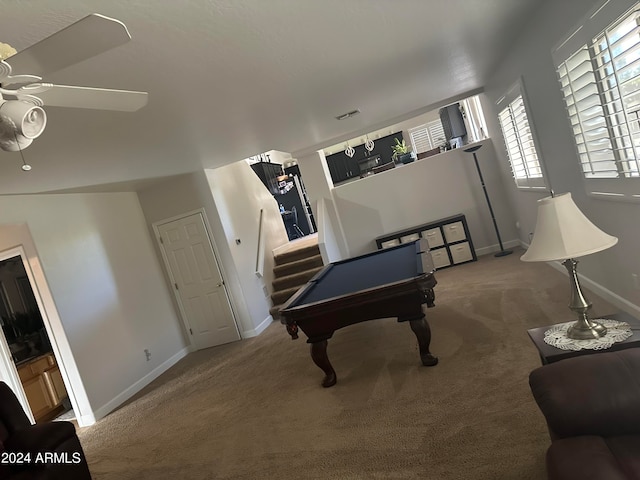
[[448, 238], [38, 395], [342, 167], [55, 385], [43, 386]]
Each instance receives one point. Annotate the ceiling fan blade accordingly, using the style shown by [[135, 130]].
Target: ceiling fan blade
[[83, 39], [86, 97]]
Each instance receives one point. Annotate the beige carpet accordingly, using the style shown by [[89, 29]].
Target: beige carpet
[[255, 410]]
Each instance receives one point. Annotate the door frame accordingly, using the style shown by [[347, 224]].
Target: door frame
[[169, 273], [8, 368]]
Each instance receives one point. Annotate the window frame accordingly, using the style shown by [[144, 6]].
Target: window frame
[[528, 182], [594, 25]]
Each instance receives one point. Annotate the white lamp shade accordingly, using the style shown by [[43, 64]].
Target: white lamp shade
[[562, 232]]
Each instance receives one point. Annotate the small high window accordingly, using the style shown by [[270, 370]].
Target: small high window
[[518, 140]]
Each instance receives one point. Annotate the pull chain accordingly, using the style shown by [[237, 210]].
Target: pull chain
[[25, 166]]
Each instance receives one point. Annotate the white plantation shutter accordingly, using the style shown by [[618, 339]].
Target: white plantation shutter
[[600, 82], [436, 132], [420, 139], [427, 136], [519, 144]]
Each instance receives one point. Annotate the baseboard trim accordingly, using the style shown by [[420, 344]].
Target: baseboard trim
[[496, 247], [136, 387], [259, 329], [86, 420]]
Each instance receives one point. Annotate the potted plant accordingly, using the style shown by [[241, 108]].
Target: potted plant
[[401, 152]]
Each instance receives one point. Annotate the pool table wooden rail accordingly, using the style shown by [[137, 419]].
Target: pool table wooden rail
[[319, 320]]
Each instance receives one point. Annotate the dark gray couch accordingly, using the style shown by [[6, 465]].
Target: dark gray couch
[[53, 449], [592, 407]]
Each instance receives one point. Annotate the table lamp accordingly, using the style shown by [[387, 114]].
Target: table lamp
[[564, 233]]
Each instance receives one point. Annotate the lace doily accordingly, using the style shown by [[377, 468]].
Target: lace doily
[[556, 336]]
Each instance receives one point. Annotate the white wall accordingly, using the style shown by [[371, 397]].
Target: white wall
[[185, 194], [106, 288], [530, 58], [239, 195], [329, 238], [231, 197], [427, 190], [317, 181]]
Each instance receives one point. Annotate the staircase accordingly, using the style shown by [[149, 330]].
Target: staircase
[[292, 270]]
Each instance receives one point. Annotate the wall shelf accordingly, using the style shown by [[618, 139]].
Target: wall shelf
[[448, 238]]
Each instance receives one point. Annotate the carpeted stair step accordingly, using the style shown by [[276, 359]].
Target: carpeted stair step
[[299, 254], [298, 278], [297, 266], [281, 296]]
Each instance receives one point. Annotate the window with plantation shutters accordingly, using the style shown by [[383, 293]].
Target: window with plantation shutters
[[436, 133], [518, 140], [427, 136], [599, 73], [420, 140]]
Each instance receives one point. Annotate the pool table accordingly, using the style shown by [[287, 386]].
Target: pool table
[[394, 282]]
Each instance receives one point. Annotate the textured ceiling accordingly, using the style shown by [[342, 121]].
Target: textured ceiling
[[232, 78]]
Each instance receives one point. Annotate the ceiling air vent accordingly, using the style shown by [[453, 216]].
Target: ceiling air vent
[[348, 114]]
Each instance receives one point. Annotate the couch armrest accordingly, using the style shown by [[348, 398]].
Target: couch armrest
[[41, 437], [11, 413], [62, 454], [596, 394]]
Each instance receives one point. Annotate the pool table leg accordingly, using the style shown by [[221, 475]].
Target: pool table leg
[[423, 333], [319, 357]]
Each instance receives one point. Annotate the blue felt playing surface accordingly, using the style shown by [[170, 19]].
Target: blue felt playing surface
[[361, 273]]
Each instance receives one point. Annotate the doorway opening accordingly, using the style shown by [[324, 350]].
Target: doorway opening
[[29, 345], [284, 182]]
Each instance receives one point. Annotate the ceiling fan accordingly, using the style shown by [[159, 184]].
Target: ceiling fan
[[23, 94]]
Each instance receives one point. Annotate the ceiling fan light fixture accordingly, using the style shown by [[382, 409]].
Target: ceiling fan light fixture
[[29, 119], [22, 118]]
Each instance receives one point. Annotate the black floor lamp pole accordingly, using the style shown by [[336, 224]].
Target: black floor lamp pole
[[502, 251]]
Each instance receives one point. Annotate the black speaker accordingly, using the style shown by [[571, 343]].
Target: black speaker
[[452, 122]]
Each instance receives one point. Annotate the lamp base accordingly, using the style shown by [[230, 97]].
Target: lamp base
[[583, 329], [503, 253], [586, 330]]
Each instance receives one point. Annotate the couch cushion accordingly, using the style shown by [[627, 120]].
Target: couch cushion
[[626, 449], [591, 394], [586, 457]]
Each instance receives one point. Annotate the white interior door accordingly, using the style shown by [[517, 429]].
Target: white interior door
[[197, 281]]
